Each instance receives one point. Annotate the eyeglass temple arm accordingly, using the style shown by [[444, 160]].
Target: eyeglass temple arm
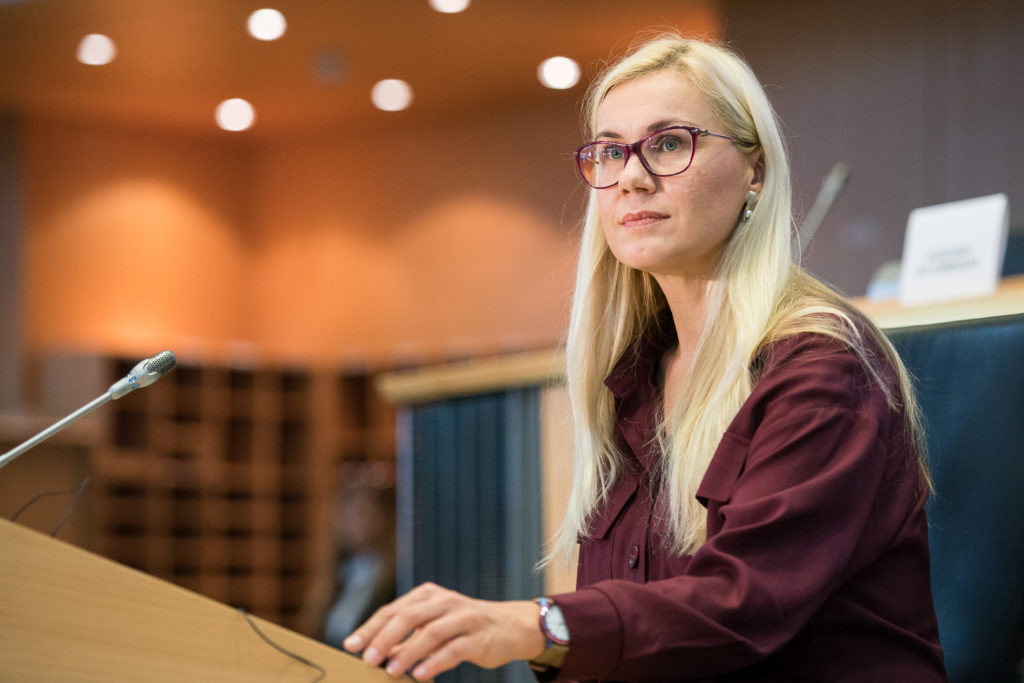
[[702, 132]]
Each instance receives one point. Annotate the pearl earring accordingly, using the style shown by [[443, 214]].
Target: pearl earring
[[748, 208]]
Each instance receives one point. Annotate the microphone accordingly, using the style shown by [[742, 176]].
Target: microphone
[[142, 375], [830, 188]]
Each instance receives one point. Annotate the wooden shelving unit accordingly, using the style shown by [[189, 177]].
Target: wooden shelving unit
[[222, 479]]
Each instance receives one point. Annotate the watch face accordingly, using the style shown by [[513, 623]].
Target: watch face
[[555, 623]]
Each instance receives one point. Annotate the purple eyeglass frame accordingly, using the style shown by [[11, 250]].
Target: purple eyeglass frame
[[635, 148]]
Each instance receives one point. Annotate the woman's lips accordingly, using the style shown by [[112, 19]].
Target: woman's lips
[[641, 218]]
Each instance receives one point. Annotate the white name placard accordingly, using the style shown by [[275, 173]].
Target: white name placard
[[954, 250]]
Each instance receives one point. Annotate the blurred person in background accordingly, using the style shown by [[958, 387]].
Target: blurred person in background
[[363, 576]]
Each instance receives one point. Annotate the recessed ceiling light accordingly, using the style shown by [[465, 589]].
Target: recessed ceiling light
[[391, 94], [267, 24], [449, 6], [235, 114], [559, 73], [96, 49]]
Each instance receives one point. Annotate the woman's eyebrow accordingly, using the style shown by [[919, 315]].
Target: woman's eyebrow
[[664, 124], [657, 125]]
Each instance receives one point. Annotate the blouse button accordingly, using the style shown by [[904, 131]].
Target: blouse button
[[634, 557]]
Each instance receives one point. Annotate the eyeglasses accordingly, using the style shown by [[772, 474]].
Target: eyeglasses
[[665, 152]]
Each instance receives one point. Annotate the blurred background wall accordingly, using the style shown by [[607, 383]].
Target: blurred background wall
[[918, 99], [330, 232]]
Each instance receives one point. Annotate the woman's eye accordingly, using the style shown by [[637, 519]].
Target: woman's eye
[[612, 153], [667, 143]]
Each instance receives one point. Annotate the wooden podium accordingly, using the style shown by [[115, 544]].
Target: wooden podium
[[69, 615]]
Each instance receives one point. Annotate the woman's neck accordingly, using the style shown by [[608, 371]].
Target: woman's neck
[[688, 302]]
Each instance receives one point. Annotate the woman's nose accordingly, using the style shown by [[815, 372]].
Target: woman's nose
[[635, 176]]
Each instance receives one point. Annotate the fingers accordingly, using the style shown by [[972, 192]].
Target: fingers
[[383, 630], [454, 652], [427, 643], [431, 630], [405, 630]]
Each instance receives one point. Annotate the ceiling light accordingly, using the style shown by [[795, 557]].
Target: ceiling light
[[235, 114], [267, 24], [96, 49], [449, 6], [559, 73], [391, 94]]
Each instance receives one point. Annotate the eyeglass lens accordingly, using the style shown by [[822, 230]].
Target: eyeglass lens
[[665, 153]]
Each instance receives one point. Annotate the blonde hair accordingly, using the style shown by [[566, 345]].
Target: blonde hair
[[758, 296]]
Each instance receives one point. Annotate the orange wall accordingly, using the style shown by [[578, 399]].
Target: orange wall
[[132, 239], [418, 242], [401, 243]]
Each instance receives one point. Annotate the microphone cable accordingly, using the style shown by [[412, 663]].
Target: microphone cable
[[78, 491], [294, 655]]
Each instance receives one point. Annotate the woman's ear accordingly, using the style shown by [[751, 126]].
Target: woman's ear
[[758, 182]]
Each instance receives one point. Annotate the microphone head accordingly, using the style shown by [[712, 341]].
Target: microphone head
[[161, 363], [144, 373]]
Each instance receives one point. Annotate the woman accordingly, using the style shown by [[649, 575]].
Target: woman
[[749, 486]]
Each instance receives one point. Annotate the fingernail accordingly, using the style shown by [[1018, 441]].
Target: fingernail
[[371, 656], [393, 669], [353, 642], [420, 673]]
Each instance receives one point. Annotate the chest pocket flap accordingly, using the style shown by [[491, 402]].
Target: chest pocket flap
[[723, 470], [618, 500]]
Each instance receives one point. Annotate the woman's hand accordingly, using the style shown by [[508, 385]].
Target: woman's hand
[[435, 629]]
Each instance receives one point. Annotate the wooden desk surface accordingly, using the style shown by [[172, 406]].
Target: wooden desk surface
[[1008, 299], [69, 615]]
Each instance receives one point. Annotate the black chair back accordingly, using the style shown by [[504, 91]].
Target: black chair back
[[970, 381]]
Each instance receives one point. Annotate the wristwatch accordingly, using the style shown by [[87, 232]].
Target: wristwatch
[[556, 636]]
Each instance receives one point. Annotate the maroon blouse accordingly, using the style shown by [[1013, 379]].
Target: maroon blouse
[[816, 560]]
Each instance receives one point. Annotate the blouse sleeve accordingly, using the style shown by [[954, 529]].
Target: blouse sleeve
[[791, 500]]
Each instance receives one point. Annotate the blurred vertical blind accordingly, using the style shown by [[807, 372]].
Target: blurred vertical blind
[[470, 501]]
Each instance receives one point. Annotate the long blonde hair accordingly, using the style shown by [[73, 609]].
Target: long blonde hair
[[758, 296]]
